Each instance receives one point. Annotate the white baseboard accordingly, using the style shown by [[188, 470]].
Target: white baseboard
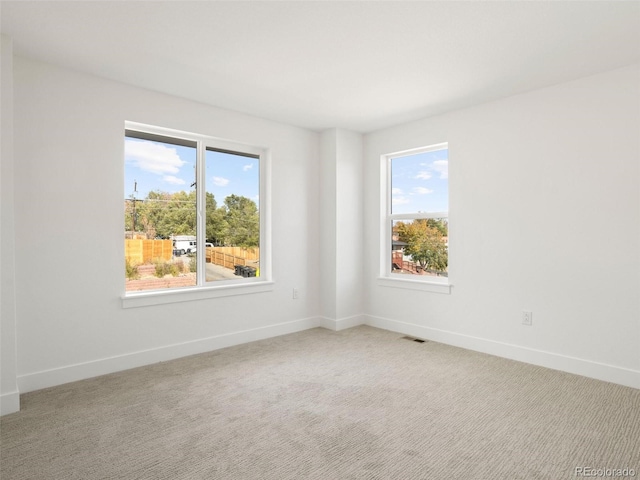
[[578, 366], [9, 403], [71, 373], [342, 323]]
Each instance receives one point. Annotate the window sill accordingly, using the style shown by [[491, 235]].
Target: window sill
[[433, 286], [162, 297]]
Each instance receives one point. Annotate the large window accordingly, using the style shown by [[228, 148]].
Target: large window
[[194, 211], [415, 222]]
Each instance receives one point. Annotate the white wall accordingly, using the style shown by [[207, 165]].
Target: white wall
[[349, 224], [341, 228], [544, 216], [9, 396], [328, 213], [68, 201]]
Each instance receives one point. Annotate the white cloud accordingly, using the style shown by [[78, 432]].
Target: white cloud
[[422, 190], [423, 175], [173, 180], [442, 167], [399, 200], [152, 157], [247, 167], [396, 191], [220, 181]]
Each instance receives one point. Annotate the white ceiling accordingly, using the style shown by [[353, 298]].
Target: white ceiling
[[358, 65]]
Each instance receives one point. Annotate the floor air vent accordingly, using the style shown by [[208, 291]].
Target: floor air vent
[[414, 339]]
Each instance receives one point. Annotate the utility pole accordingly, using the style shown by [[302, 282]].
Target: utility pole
[[134, 199]]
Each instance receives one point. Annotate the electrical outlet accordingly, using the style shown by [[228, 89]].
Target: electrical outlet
[[296, 294], [527, 318]]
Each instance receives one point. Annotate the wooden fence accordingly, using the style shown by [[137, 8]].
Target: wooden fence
[[229, 257], [138, 252], [397, 261]]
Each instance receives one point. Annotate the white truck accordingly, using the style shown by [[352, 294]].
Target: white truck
[[184, 244]]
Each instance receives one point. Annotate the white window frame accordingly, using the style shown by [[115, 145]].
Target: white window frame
[[220, 288], [387, 278]]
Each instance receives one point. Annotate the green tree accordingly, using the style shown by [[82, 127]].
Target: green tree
[[216, 223], [164, 214], [243, 221], [175, 214], [151, 212], [439, 224], [129, 214], [425, 242]]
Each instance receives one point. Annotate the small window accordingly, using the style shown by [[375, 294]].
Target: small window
[[415, 228], [193, 211]]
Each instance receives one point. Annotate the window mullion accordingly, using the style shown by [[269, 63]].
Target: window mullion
[[413, 216], [387, 218], [201, 213]]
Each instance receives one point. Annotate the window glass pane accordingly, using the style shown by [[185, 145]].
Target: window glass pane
[[420, 247], [232, 183], [160, 214], [420, 182]]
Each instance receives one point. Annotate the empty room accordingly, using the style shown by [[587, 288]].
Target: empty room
[[320, 240]]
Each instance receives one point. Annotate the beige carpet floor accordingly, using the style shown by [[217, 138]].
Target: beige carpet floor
[[362, 403]]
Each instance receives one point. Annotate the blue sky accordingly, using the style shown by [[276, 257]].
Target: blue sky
[[228, 174], [171, 168], [420, 182]]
